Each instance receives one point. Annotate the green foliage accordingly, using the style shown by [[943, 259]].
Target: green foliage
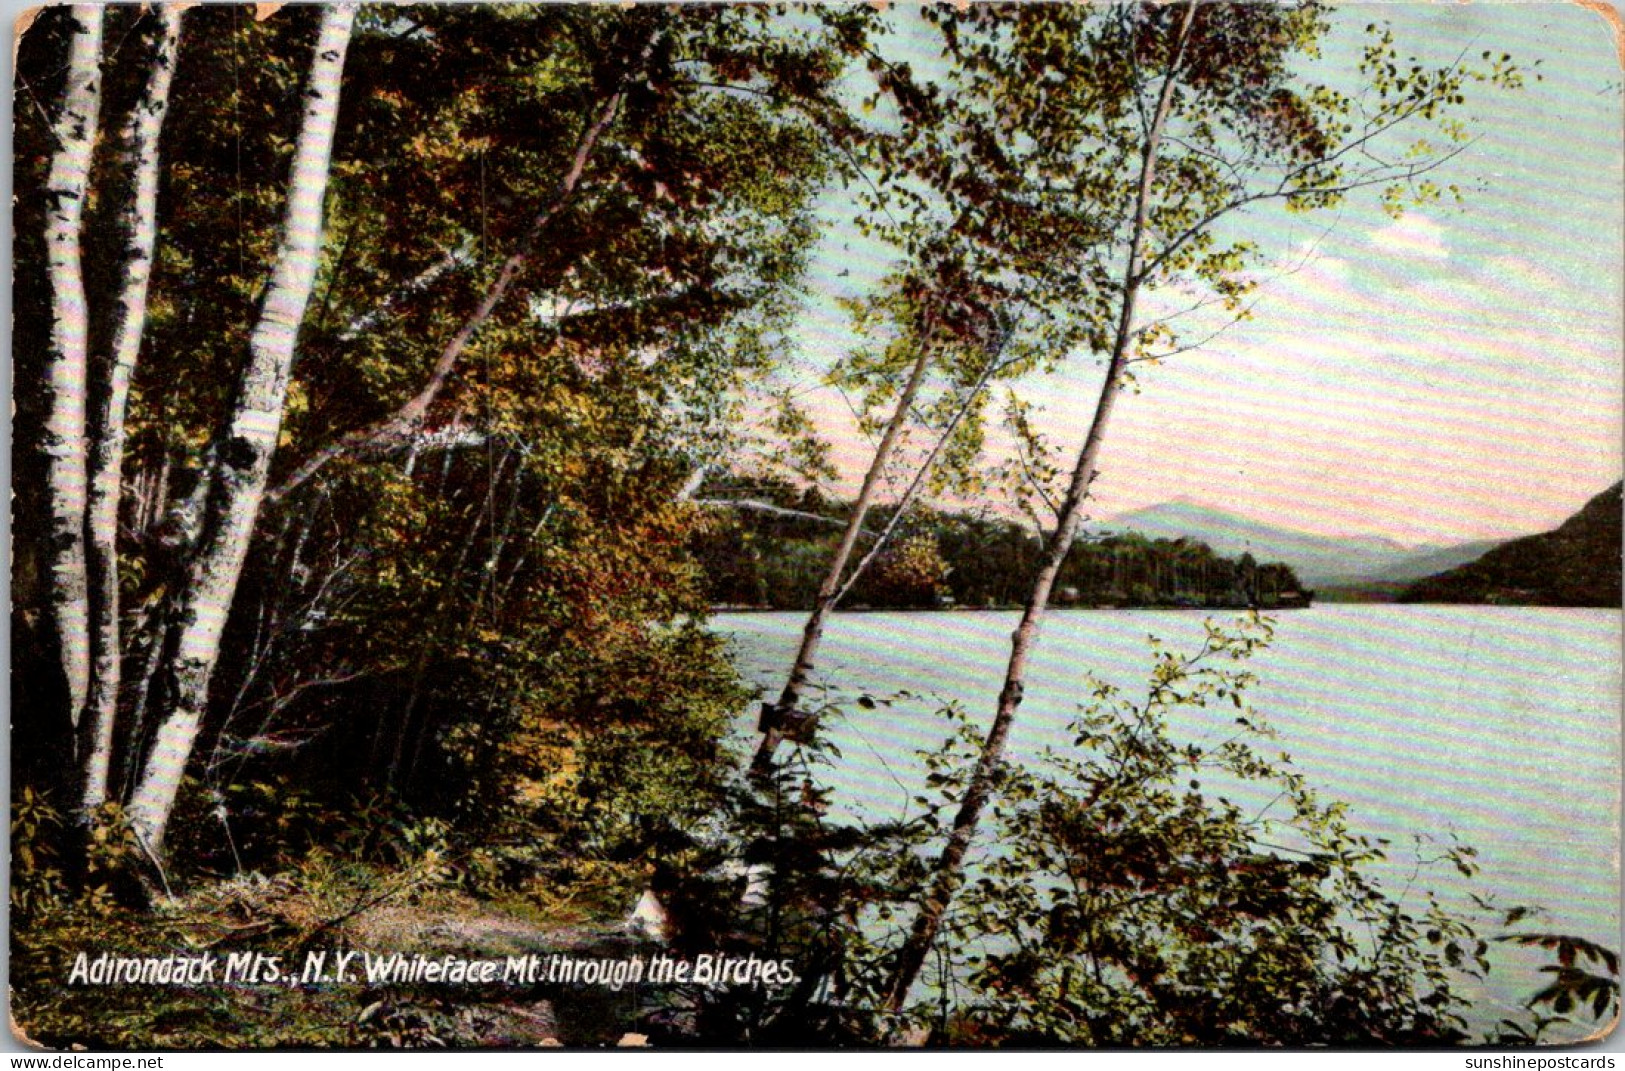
[[305, 906], [502, 592], [470, 652], [390, 1024], [1167, 879], [57, 865], [1136, 896], [776, 876], [432, 618], [1585, 977], [909, 573], [37, 878]]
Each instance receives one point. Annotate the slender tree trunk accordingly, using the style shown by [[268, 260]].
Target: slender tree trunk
[[927, 467], [950, 867], [775, 718], [812, 633], [154, 493], [139, 222], [129, 744], [461, 257], [499, 538], [74, 129], [243, 460]]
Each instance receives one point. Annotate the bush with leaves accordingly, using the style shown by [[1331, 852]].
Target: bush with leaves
[[1140, 899], [911, 573], [1585, 979], [777, 872], [37, 877], [1135, 897], [1146, 890]]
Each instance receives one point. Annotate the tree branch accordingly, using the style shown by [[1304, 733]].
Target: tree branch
[[756, 505]]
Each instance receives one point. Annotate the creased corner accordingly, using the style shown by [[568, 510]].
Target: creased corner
[[1615, 20]]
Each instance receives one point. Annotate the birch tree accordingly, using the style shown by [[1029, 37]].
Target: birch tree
[[73, 129], [942, 181], [243, 459], [138, 224], [1213, 122], [562, 252], [943, 324], [409, 416], [620, 246]]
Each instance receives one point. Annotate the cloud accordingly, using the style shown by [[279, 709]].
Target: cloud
[[1412, 235]]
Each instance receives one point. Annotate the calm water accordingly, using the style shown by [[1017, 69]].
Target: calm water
[[1499, 723]]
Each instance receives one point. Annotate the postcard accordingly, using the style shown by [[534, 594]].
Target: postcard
[[977, 526]]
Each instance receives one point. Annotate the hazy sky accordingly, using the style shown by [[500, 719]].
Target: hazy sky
[[1456, 374]]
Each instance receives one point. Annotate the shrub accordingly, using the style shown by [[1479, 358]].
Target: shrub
[[1131, 897], [1136, 900]]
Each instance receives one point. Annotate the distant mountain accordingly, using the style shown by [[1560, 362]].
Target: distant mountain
[[1578, 564], [1318, 560], [1427, 562]]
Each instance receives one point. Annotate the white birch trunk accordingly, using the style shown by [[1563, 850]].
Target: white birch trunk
[[243, 460], [776, 724], [139, 223], [950, 867], [74, 130]]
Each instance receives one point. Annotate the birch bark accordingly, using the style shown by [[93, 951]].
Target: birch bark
[[776, 719], [139, 224], [243, 460], [74, 131]]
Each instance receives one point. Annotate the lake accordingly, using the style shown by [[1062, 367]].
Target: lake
[[1501, 724]]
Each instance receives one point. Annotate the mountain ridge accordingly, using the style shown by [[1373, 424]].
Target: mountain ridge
[[1574, 564], [1317, 559]]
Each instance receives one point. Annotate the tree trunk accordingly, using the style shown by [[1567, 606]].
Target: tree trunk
[[243, 460], [927, 466], [138, 221], [74, 130], [775, 722], [950, 867]]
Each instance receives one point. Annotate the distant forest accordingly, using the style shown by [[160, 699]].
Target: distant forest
[[1577, 564], [768, 549]]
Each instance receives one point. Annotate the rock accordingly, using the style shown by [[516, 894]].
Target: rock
[[649, 918]]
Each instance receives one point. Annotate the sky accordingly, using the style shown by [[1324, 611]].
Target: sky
[[1455, 374]]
